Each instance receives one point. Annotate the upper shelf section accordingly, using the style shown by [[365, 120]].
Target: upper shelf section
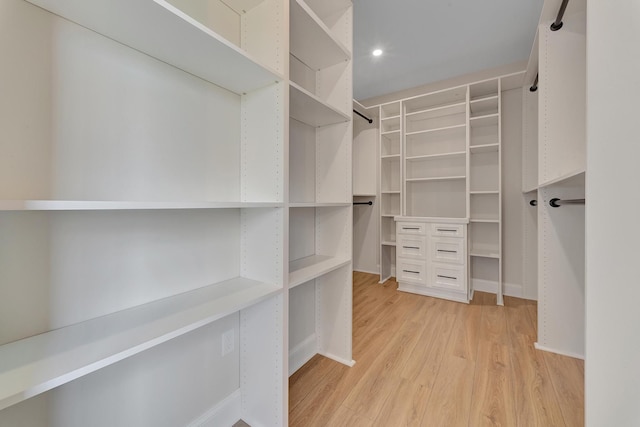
[[308, 108], [311, 40], [162, 31]]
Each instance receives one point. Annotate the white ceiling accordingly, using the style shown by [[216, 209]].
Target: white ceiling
[[425, 41]]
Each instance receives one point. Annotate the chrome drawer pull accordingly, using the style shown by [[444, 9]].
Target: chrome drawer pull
[[444, 250], [411, 247], [411, 271], [447, 229], [411, 228], [448, 277]]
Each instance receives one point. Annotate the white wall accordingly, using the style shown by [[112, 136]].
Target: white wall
[[612, 371], [366, 218]]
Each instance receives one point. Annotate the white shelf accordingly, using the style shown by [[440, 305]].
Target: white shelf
[[99, 205], [162, 31], [489, 221], [485, 120], [390, 192], [483, 106], [388, 215], [328, 7], [436, 129], [308, 108], [438, 156], [574, 178], [438, 178], [390, 132], [390, 156], [432, 113], [390, 117], [304, 269], [364, 195], [388, 243], [485, 192], [34, 365], [311, 40], [484, 148], [484, 253], [319, 204]]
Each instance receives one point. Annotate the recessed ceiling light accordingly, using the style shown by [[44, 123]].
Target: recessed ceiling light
[[377, 52]]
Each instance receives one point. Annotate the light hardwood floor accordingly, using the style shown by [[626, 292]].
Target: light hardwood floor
[[431, 362]]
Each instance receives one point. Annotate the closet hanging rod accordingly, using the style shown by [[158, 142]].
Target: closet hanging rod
[[363, 203], [363, 116], [534, 86], [557, 24], [556, 203]]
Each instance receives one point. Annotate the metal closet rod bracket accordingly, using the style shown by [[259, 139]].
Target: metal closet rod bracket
[[556, 203]]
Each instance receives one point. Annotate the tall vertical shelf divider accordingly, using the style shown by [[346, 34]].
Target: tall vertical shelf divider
[[390, 184], [320, 181], [143, 213], [485, 195]]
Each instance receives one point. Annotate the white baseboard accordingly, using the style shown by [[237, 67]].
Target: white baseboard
[[513, 290], [225, 413], [366, 271], [302, 353], [490, 286], [561, 352], [347, 362]]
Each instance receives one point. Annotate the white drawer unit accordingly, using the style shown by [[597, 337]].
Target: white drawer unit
[[448, 230], [412, 271], [431, 257], [448, 276], [411, 247], [450, 250], [411, 228]]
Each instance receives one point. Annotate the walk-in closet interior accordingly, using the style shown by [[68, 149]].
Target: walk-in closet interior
[[188, 186]]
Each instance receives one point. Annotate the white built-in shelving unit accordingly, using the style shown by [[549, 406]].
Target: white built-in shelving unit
[[320, 181], [485, 186], [150, 201], [554, 166], [390, 184], [440, 161]]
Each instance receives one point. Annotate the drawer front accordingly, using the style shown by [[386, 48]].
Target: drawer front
[[447, 230], [411, 247], [447, 250], [410, 271], [449, 277], [419, 228]]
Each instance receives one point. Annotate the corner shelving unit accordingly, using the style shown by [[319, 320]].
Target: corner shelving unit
[[390, 185], [320, 177], [143, 213]]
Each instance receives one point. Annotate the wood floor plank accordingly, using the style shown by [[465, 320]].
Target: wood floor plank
[[345, 417], [493, 399], [405, 406], [567, 377], [450, 400], [536, 403]]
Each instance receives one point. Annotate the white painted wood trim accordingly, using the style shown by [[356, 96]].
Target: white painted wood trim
[[224, 413], [302, 353], [556, 351]]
